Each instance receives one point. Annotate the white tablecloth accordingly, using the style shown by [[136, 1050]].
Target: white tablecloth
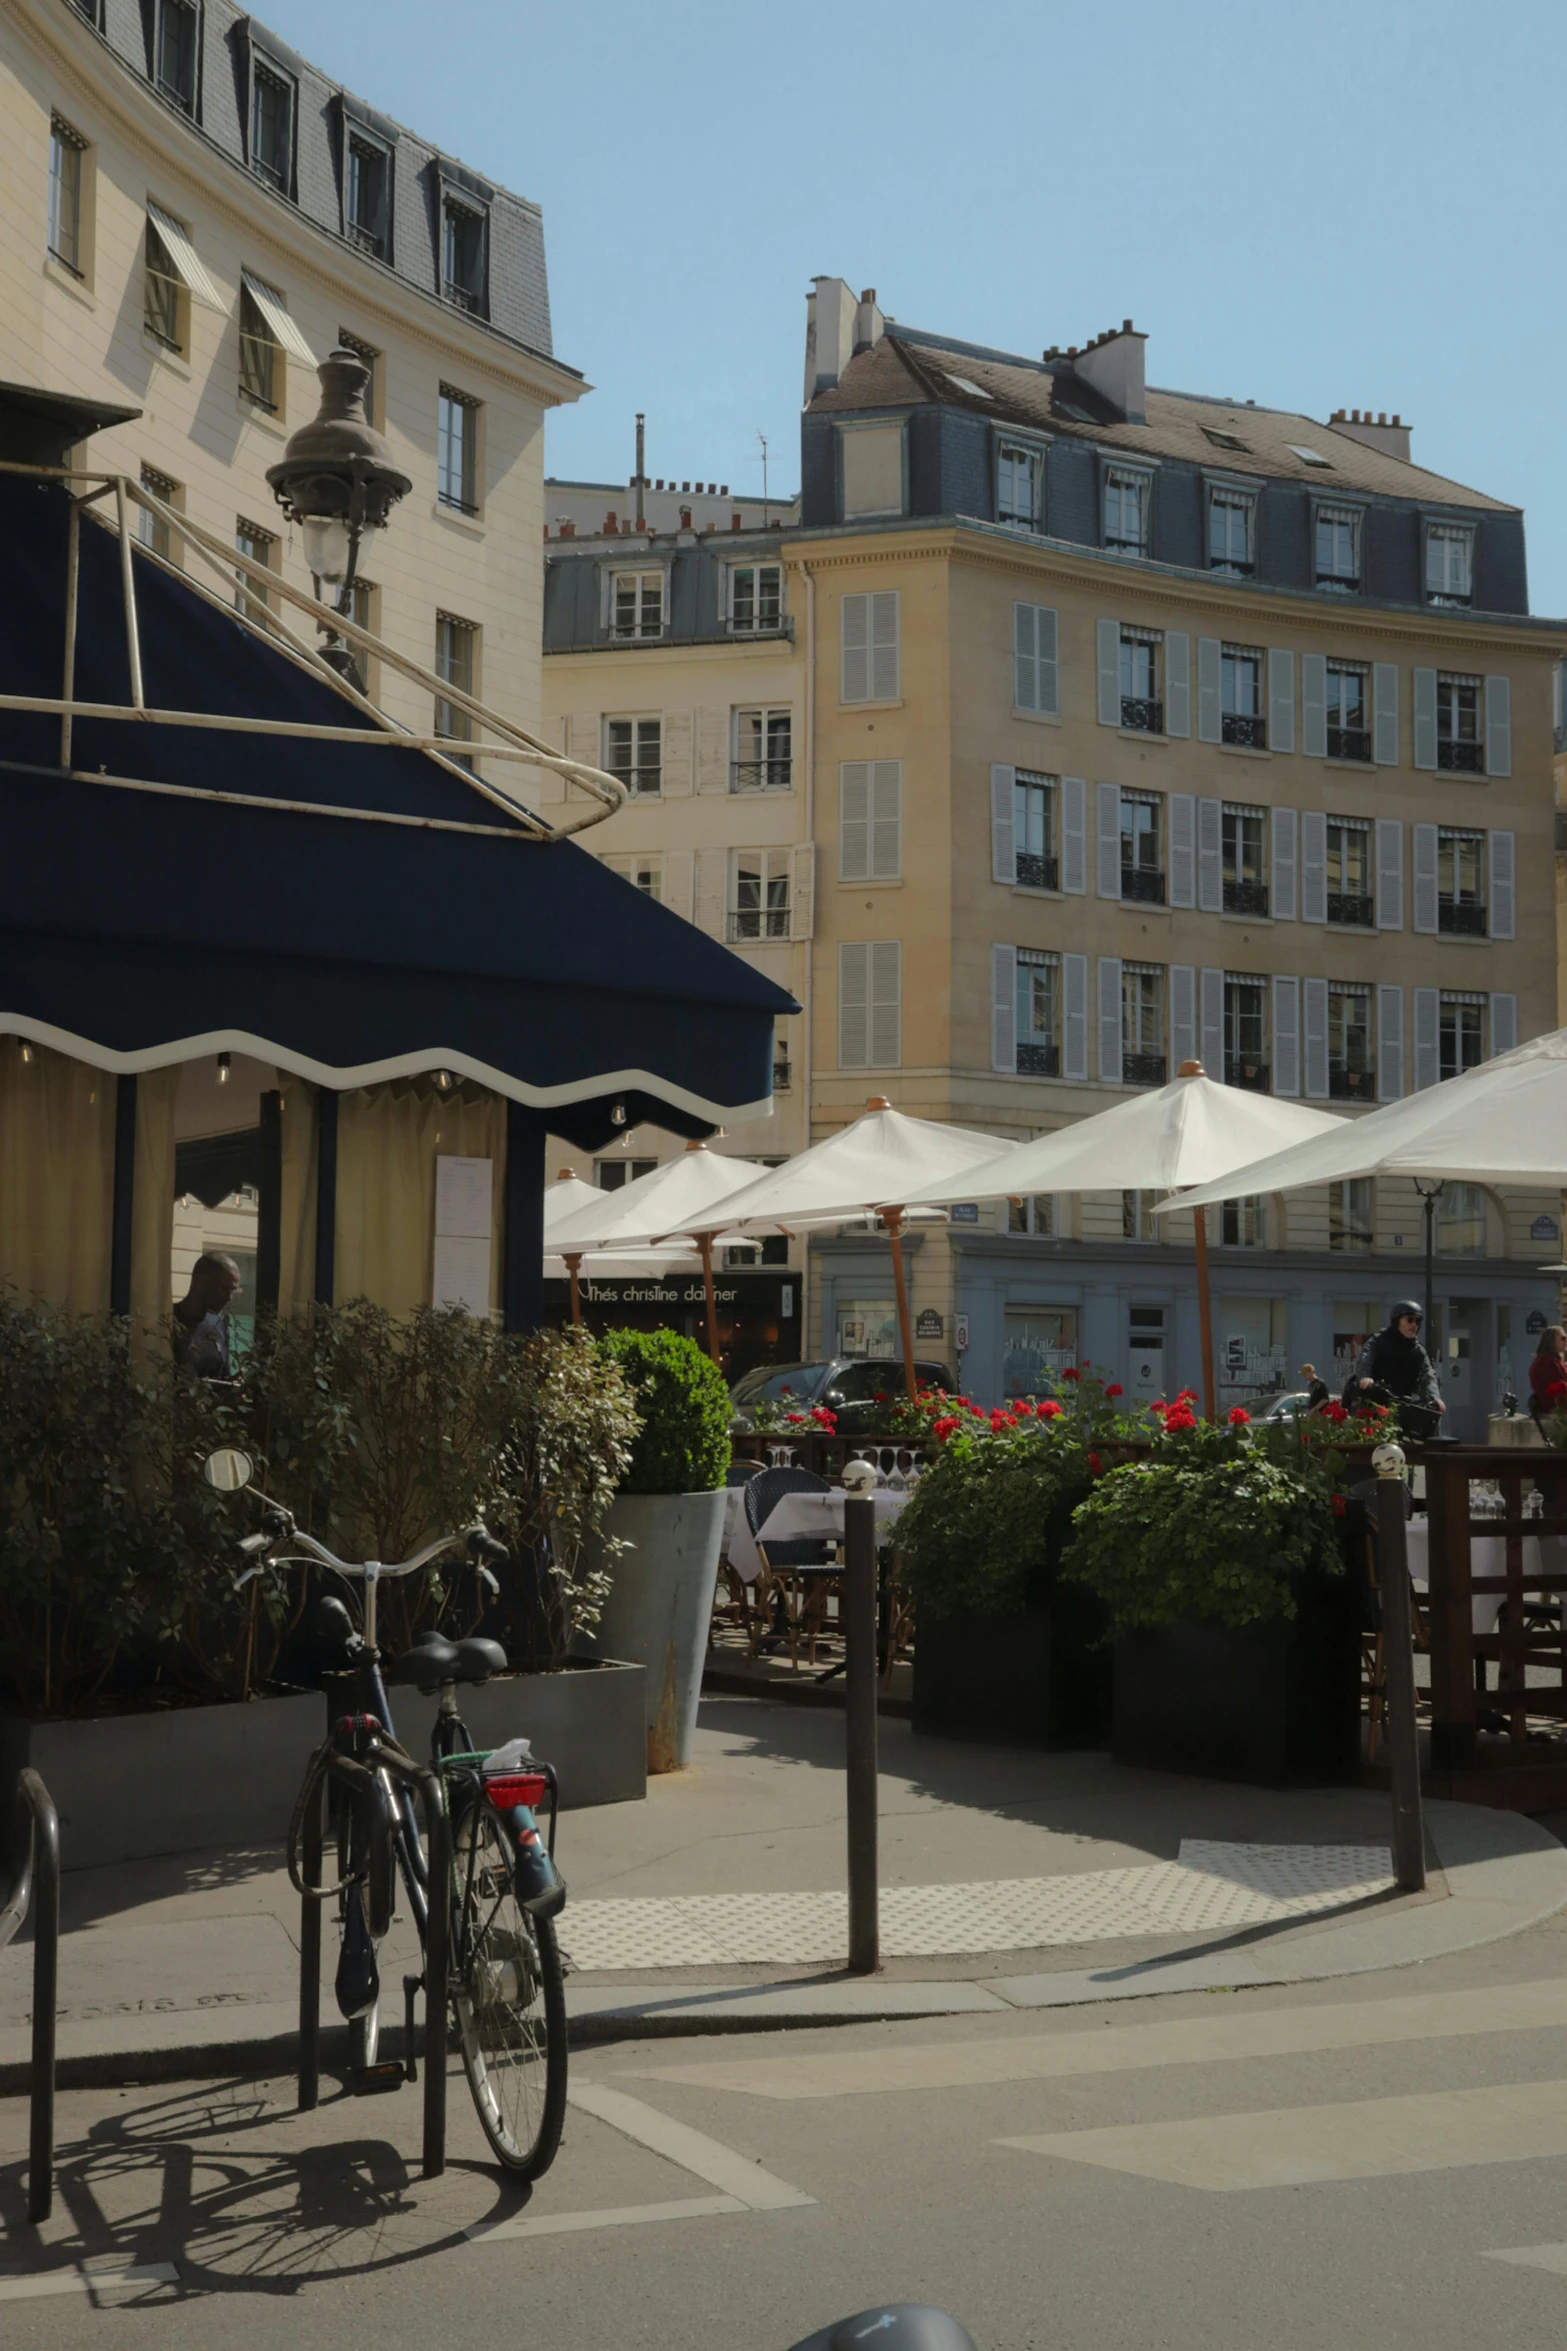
[[1488, 1557], [798, 1517]]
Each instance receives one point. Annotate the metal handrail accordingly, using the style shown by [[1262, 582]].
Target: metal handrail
[[40, 1826]]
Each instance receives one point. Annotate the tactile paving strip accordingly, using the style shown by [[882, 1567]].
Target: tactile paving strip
[[1211, 1887]]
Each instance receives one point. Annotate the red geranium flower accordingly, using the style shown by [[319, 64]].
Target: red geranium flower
[[942, 1429], [796, 1420], [1050, 1409], [1115, 1389], [1238, 1419], [1071, 1372], [1340, 1506], [1024, 1406], [1187, 1396], [880, 1396], [1095, 1464], [1335, 1413], [824, 1418]]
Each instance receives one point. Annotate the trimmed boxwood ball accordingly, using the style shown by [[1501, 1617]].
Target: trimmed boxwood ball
[[683, 1400]]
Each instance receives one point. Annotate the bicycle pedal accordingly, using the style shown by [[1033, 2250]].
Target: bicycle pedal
[[368, 2081]]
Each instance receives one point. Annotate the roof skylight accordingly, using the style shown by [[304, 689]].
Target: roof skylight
[[1223, 440], [977, 390], [1310, 456]]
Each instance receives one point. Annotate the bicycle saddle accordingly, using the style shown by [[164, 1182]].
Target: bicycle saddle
[[438, 1660]]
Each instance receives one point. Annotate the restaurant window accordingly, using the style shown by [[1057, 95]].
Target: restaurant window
[[1039, 1343], [1038, 1013]]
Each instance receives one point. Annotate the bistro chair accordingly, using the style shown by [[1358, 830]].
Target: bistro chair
[[801, 1572], [732, 1594]]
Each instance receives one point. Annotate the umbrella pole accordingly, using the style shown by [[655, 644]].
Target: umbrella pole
[[704, 1242], [892, 1218], [1210, 1395], [572, 1266]]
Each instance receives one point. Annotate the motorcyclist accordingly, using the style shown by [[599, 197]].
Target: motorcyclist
[[1395, 1360]]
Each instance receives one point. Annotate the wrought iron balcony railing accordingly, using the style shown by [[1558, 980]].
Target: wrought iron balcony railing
[[1245, 897], [1350, 743], [1142, 1069], [1039, 1061], [1250, 734], [1254, 1076], [1351, 1085], [1460, 758], [1463, 922], [1145, 887], [1144, 717], [761, 775], [1350, 907], [1038, 873]]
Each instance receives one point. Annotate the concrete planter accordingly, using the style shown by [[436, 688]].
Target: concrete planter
[[1039, 1678], [661, 1606], [587, 1720]]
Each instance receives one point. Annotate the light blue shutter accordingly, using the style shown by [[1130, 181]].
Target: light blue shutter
[[1286, 1035], [1108, 636], [1074, 1017], [1498, 727], [1003, 844], [1313, 866], [1281, 900], [1110, 1019], [1183, 849], [854, 820], [1281, 699], [1499, 857], [854, 639], [1425, 879], [1384, 706], [1074, 837], [1177, 683], [1428, 1055], [1025, 660], [1390, 1044], [1210, 856], [1047, 636], [1212, 1055], [1425, 717], [1003, 1009], [884, 646], [1314, 705], [1109, 840], [1209, 729], [886, 1008], [1314, 1007], [1390, 874], [1504, 1024], [854, 1032], [886, 819], [1183, 1016]]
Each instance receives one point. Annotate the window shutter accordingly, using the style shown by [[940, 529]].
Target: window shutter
[[1499, 857], [1212, 1054], [1047, 632], [854, 625], [1313, 866], [1003, 1009], [1428, 1061], [1314, 1006], [802, 890], [1286, 1035], [886, 964], [1208, 727], [886, 812], [884, 646], [854, 1031], [582, 740], [1282, 896], [1384, 705], [1390, 874], [712, 868], [1183, 849], [1074, 1017], [1425, 718], [1110, 1020], [1109, 640], [1314, 705], [712, 750], [1003, 845], [1177, 683], [1281, 699], [1074, 836], [1498, 727], [678, 742], [854, 820], [680, 882], [1425, 878], [1504, 1024], [1025, 660], [1109, 873], [1390, 1044], [1183, 1015], [1210, 856]]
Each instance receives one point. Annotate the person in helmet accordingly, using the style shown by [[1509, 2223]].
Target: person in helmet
[[1395, 1360]]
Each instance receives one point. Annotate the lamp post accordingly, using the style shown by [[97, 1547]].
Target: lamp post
[[337, 480]]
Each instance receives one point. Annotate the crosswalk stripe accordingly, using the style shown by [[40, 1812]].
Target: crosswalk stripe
[[557, 2224], [735, 2175], [1179, 2040], [1551, 2257], [107, 2275]]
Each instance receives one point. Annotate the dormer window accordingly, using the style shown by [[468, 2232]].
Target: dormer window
[[1126, 511], [366, 196], [1224, 440], [462, 254], [1338, 549], [1449, 563], [271, 125], [175, 53], [1231, 515]]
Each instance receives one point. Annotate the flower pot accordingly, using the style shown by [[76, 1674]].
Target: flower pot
[[660, 1607], [1040, 1678], [1275, 1703]]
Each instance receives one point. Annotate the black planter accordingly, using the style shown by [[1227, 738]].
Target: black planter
[[1037, 1679], [1278, 1703]]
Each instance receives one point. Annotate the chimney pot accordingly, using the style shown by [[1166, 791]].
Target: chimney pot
[[735, 522], [568, 530], [1382, 416], [685, 489], [685, 518], [869, 294], [1071, 350], [610, 524], [1126, 326], [723, 489]]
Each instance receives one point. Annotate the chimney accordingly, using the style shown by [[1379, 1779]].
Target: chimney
[[685, 518], [1113, 364], [869, 325], [611, 526], [1390, 434], [830, 313]]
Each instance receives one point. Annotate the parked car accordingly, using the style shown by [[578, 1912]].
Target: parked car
[[1293, 1406], [848, 1385]]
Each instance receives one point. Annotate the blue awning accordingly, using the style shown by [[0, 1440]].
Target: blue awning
[[391, 918]]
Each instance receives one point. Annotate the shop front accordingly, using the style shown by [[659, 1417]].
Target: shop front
[[758, 1313]]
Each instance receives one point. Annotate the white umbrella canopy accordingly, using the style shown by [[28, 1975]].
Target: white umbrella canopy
[[684, 1201], [568, 1196]]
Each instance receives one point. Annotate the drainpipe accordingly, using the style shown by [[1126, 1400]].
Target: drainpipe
[[810, 955]]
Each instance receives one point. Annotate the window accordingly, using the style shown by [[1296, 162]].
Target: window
[[1350, 1224], [1349, 883], [755, 598], [1230, 515], [1351, 1076], [1460, 744], [1126, 511], [1038, 1013], [175, 52], [261, 546], [782, 1074], [1240, 678], [366, 209], [634, 751], [462, 254], [66, 148], [259, 354], [1460, 1032], [868, 647], [872, 469], [614, 1174], [1142, 707], [1035, 1214], [1034, 831], [1338, 549], [1138, 1222], [758, 895], [1142, 1026], [1246, 1031], [1142, 848], [1309, 456], [636, 604], [870, 1004], [1019, 483], [1460, 882], [1460, 1221], [644, 873], [761, 760], [1449, 563], [1245, 875], [457, 451], [161, 294], [1243, 1223], [372, 359], [151, 529], [271, 125], [456, 660], [1348, 711], [1038, 1344], [1224, 440], [870, 820]]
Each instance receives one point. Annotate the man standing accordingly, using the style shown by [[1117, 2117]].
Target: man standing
[[201, 1331]]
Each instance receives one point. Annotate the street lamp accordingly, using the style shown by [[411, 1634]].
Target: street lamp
[[337, 480]]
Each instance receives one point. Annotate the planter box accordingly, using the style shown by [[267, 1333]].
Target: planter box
[[660, 1607], [1037, 1679], [589, 1720], [1277, 1704]]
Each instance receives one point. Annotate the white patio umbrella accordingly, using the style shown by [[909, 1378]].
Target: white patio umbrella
[[684, 1201], [1184, 1133], [564, 1198], [870, 1167]]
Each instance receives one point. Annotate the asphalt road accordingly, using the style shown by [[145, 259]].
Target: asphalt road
[[1331, 2165]]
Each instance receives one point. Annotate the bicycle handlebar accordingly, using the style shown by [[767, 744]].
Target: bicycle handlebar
[[481, 1545]]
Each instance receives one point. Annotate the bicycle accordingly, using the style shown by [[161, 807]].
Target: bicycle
[[504, 1977]]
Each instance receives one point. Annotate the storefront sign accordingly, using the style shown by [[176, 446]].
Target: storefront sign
[[928, 1324], [1544, 1228], [1535, 1323], [965, 1212]]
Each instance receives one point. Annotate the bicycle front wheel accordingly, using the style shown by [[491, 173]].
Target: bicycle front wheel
[[510, 1998]]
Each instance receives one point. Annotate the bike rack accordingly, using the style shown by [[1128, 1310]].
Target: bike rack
[[39, 1824], [352, 1776]]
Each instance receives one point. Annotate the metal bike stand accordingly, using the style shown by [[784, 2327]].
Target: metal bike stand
[[39, 1826]]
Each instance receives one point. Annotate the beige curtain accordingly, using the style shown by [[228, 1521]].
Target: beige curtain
[[152, 1201], [297, 1271], [388, 1140], [56, 1177]]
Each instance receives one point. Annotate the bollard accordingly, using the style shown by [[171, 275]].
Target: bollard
[[437, 1973], [859, 1548], [310, 1956], [1398, 1656]]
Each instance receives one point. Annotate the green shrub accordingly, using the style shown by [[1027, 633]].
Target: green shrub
[[982, 1532], [680, 1393]]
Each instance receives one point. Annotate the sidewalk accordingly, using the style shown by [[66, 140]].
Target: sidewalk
[[1009, 1880]]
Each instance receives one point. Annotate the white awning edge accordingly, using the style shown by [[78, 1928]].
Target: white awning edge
[[188, 264], [278, 319]]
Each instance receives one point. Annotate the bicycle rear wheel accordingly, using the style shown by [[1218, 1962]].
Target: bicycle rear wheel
[[510, 1998]]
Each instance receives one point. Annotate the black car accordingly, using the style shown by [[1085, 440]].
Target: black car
[[858, 1388]]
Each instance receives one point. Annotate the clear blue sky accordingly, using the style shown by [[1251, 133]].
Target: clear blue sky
[[1311, 205]]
